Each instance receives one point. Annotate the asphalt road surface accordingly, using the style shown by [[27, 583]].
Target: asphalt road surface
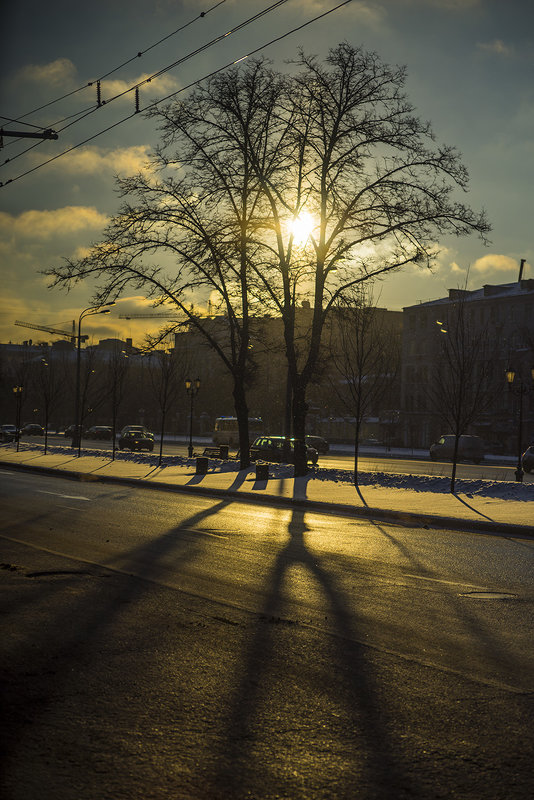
[[162, 645]]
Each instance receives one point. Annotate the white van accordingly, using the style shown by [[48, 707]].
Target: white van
[[470, 448]]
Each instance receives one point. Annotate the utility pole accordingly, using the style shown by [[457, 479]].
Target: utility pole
[[46, 134]]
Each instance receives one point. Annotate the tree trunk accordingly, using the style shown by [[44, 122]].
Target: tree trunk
[[300, 409], [161, 437], [454, 462], [356, 449], [241, 412]]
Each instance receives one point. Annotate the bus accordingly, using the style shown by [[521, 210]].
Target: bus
[[227, 432]]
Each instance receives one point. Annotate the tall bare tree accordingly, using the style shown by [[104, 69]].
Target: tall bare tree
[[376, 187], [195, 212], [248, 156]]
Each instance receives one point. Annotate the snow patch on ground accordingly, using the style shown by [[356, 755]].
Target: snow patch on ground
[[504, 490]]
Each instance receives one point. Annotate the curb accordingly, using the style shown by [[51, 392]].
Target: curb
[[404, 518]]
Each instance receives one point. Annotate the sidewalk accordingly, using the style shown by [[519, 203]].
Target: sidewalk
[[505, 508]]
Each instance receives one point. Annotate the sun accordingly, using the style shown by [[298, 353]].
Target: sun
[[301, 228]]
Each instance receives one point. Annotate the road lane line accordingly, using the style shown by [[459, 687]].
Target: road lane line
[[65, 496]]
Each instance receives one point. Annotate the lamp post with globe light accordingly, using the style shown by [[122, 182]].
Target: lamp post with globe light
[[191, 388], [519, 387], [17, 391]]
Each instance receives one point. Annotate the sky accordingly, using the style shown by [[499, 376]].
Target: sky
[[470, 72]]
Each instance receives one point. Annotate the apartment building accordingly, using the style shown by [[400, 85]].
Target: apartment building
[[500, 317]]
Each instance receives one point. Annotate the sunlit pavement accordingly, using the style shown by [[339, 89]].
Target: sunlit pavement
[[504, 514]]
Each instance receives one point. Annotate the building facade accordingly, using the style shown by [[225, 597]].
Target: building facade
[[500, 321]]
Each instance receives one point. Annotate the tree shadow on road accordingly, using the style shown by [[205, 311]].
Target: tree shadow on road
[[472, 508], [352, 692]]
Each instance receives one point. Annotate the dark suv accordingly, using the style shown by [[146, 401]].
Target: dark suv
[[272, 448]]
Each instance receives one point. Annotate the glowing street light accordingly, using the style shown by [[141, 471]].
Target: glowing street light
[[519, 389]]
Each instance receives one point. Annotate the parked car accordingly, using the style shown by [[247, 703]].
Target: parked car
[[271, 448], [527, 459], [8, 433], [470, 448], [69, 430], [33, 429], [136, 429], [370, 441], [136, 440], [99, 432], [320, 444]]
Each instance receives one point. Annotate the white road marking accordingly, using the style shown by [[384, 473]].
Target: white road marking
[[65, 496], [440, 580]]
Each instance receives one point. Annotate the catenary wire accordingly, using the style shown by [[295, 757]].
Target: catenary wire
[[201, 15], [80, 115], [179, 91]]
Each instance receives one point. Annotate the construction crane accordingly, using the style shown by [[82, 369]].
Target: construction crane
[[148, 316], [56, 331]]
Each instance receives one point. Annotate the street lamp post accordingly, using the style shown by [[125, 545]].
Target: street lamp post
[[77, 437], [519, 388], [17, 391], [191, 388]]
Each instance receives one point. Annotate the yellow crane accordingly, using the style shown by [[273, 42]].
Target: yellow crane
[[56, 331]]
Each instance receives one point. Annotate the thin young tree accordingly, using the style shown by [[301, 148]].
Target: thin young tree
[[461, 386], [166, 379], [116, 377], [365, 354], [50, 382]]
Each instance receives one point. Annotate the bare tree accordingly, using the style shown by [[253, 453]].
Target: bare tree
[[196, 210], [366, 356], [92, 386], [166, 379], [461, 386], [242, 161], [50, 380], [117, 371], [375, 186]]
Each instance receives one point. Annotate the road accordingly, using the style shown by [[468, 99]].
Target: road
[[164, 645], [378, 462]]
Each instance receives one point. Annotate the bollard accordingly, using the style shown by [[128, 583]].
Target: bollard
[[202, 465], [224, 451], [262, 471]]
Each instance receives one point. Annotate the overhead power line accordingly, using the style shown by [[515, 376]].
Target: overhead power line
[[180, 91], [80, 115], [139, 54]]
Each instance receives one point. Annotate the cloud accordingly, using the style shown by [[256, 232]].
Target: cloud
[[94, 160], [496, 263], [497, 47], [164, 84], [60, 72], [45, 224], [448, 5], [367, 12]]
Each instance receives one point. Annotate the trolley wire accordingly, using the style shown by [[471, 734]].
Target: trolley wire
[[179, 91], [80, 115]]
